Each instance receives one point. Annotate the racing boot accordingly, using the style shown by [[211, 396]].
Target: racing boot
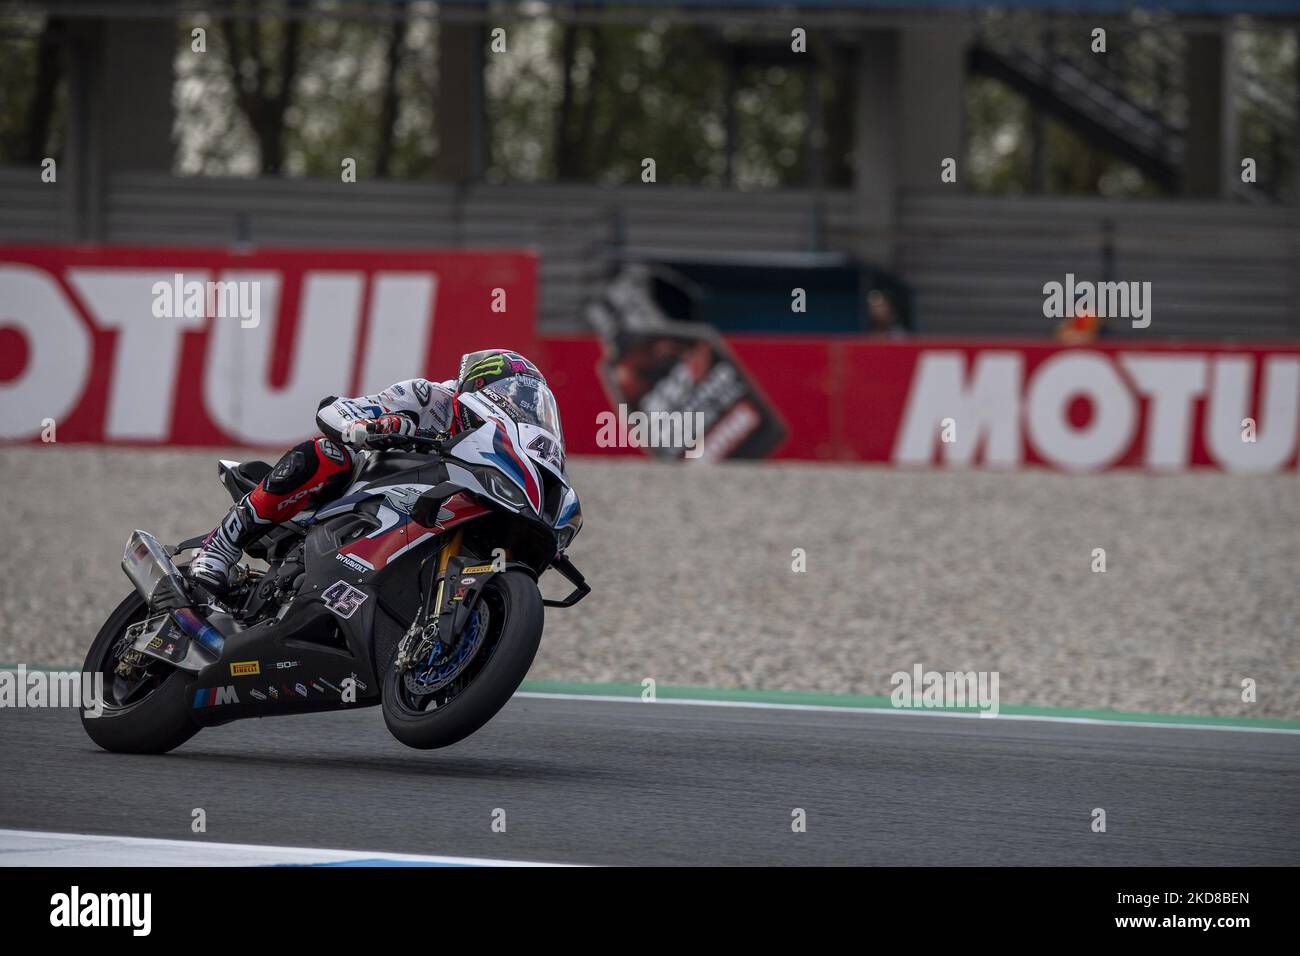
[[222, 549]]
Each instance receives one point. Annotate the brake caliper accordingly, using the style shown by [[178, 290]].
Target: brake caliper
[[457, 591], [129, 660]]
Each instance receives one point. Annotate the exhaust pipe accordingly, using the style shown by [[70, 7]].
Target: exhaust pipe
[[154, 574]]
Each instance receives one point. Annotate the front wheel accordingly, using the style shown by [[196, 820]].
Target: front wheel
[[145, 709], [445, 697]]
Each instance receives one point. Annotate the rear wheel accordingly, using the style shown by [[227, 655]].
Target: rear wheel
[[446, 697], [145, 710]]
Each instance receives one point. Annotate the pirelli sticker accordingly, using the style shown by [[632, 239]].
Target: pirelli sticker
[[245, 668], [477, 569]]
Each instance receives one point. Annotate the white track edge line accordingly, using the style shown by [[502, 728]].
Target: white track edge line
[[268, 849], [905, 711]]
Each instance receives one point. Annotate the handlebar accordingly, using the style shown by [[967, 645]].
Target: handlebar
[[390, 442]]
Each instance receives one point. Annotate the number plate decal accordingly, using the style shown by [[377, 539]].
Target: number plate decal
[[343, 599]]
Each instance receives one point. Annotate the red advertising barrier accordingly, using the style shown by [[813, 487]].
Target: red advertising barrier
[[216, 346], [1159, 406]]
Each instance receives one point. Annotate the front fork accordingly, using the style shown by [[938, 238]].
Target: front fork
[[449, 550], [418, 640]]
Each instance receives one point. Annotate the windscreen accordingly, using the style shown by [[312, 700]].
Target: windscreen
[[530, 399]]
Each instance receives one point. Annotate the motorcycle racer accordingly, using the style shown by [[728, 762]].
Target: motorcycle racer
[[317, 471]]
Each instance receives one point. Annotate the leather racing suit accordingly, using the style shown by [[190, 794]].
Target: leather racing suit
[[317, 471]]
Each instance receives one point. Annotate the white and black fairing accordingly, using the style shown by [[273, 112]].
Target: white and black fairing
[[317, 630]]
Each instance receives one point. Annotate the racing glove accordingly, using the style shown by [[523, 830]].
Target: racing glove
[[363, 432]]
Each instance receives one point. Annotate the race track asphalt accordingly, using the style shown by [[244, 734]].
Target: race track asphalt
[[588, 781]]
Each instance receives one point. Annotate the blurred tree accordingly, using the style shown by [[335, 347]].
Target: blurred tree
[[998, 141], [31, 89], [1269, 100], [350, 88], [564, 162], [389, 100], [40, 111], [589, 103], [771, 128], [263, 81], [586, 103]]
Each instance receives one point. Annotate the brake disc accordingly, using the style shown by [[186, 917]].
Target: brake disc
[[443, 665]]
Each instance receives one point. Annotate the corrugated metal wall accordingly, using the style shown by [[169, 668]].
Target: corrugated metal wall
[[1216, 269], [30, 210], [978, 264]]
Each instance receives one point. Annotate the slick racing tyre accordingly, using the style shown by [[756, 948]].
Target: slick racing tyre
[[145, 713], [445, 698]]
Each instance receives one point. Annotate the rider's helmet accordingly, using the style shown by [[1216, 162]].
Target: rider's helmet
[[509, 381]]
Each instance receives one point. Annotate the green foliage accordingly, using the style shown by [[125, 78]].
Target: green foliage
[[333, 110], [20, 52], [997, 139], [634, 93], [771, 125], [1268, 108], [640, 90], [631, 98], [17, 78]]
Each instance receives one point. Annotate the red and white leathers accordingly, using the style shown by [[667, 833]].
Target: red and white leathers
[[317, 471], [426, 405]]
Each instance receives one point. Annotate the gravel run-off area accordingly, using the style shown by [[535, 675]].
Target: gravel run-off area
[[691, 567]]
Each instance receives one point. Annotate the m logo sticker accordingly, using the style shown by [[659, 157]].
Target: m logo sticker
[[215, 696]]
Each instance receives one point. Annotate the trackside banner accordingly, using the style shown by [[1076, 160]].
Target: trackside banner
[[216, 346], [935, 403], [128, 345]]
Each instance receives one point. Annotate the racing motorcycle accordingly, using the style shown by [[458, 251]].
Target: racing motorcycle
[[416, 589]]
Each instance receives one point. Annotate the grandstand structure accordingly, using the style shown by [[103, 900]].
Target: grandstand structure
[[1224, 259]]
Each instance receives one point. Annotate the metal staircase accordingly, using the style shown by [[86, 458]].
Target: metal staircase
[[1094, 96]]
